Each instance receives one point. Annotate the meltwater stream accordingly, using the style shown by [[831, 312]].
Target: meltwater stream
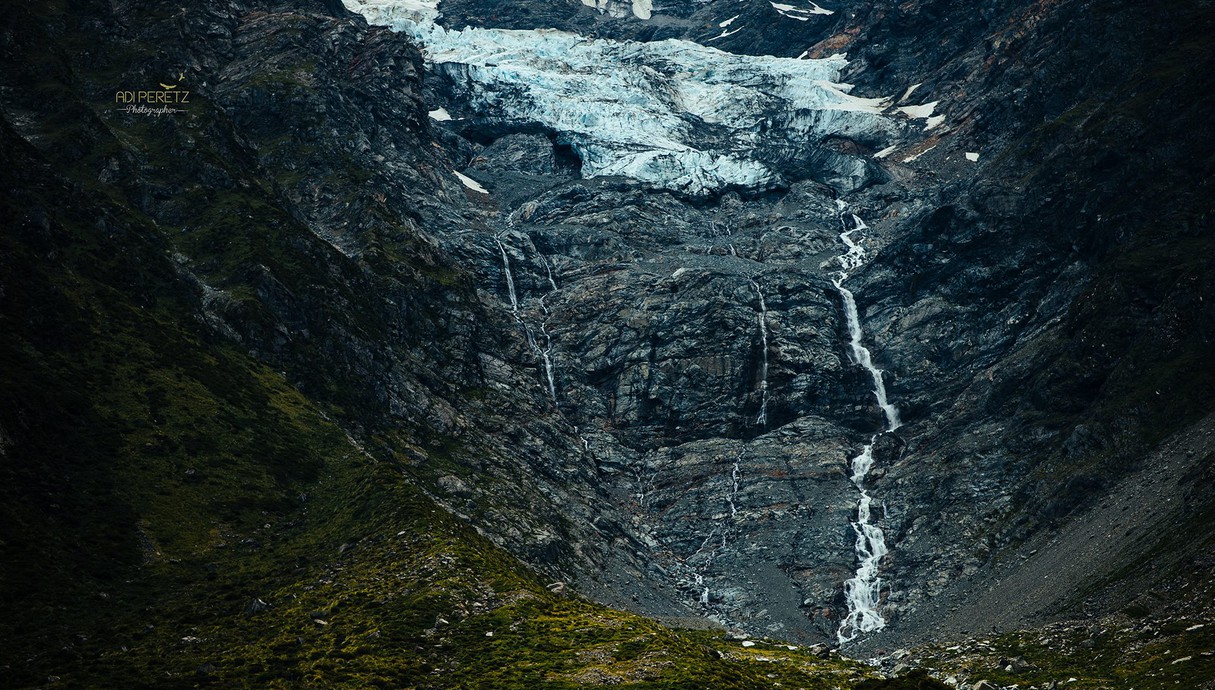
[[862, 591], [762, 419], [544, 354]]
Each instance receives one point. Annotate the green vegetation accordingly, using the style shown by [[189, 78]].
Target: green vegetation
[[1157, 656], [915, 680], [177, 514], [174, 513]]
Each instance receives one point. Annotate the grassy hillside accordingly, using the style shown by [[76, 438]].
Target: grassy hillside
[[176, 514]]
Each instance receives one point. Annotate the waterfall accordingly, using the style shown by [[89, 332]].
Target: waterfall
[[863, 591], [735, 482], [545, 353], [860, 354], [510, 281], [735, 478], [762, 419], [549, 271], [704, 594]]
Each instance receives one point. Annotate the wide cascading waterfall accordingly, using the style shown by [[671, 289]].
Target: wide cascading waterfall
[[862, 592], [860, 354], [762, 418]]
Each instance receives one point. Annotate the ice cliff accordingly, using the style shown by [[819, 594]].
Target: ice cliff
[[671, 113]]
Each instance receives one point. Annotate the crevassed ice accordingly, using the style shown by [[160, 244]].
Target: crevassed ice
[[642, 9], [385, 12], [672, 113]]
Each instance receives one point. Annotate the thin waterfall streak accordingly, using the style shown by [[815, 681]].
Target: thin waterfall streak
[[762, 419], [549, 271], [510, 280], [545, 354], [735, 481]]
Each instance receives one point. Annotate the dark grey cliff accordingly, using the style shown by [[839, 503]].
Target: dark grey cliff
[[1043, 314], [1039, 311]]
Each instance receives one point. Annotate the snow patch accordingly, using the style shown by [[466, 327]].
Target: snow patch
[[911, 158], [727, 33], [729, 21], [972, 156], [934, 122], [885, 152], [918, 111], [471, 183], [910, 90], [799, 13], [642, 9], [440, 115]]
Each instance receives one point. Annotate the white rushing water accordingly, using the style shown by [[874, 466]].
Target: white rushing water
[[863, 591], [762, 419], [719, 536], [860, 354], [510, 279], [544, 354], [735, 480]]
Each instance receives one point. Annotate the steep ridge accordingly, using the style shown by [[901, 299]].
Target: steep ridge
[[943, 161], [633, 378]]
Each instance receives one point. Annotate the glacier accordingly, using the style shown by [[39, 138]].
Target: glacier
[[672, 113]]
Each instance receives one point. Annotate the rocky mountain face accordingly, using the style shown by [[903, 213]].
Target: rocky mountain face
[[417, 281]]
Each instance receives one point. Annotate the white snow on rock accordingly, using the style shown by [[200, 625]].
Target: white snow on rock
[[910, 90], [911, 158], [799, 13], [642, 9], [934, 122], [729, 21], [440, 115], [919, 111], [885, 152], [386, 12], [471, 183], [672, 113], [727, 32], [972, 156]]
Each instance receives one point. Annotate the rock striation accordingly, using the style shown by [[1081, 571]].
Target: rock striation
[[570, 275]]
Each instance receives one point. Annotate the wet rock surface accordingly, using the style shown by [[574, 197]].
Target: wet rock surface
[[978, 303], [649, 395]]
